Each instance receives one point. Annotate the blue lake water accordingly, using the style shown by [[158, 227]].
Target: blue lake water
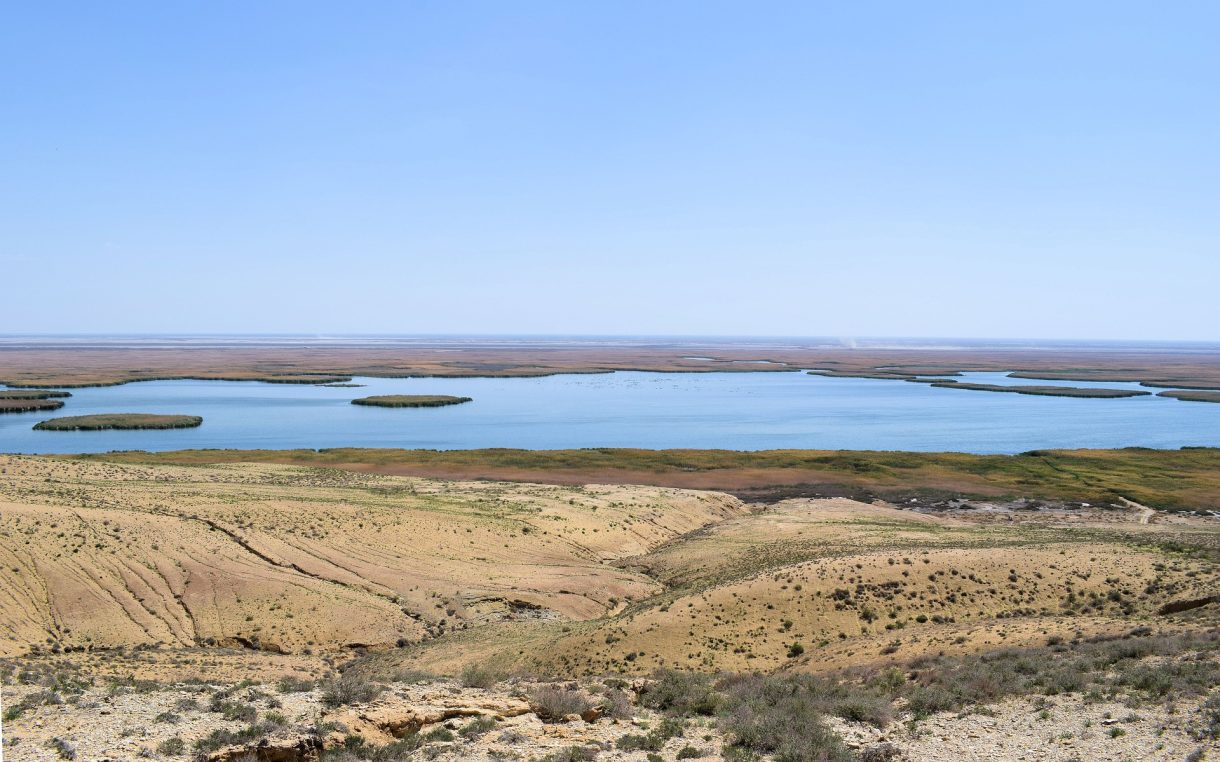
[[741, 411]]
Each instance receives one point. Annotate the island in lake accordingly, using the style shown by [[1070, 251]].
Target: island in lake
[[1199, 395], [28, 405], [119, 421], [1043, 391], [31, 394], [411, 400]]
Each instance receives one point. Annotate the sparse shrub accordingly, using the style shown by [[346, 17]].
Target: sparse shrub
[[412, 677], [355, 749], [617, 705], [683, 693], [171, 747], [438, 734], [656, 738], [1210, 714], [779, 716], [37, 698], [479, 676], [553, 704], [220, 737], [573, 754], [347, 689], [864, 707], [237, 711], [928, 700], [477, 727], [63, 748], [293, 684], [882, 752], [690, 752], [633, 742]]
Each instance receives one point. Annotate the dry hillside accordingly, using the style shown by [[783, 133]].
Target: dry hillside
[[260, 611], [280, 558]]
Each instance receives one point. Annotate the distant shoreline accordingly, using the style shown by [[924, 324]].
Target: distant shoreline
[[77, 362], [909, 478]]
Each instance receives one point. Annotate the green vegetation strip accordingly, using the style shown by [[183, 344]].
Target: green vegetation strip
[[119, 421], [31, 394], [948, 383], [1193, 396], [1043, 391], [1186, 479], [28, 405], [877, 374], [411, 400]]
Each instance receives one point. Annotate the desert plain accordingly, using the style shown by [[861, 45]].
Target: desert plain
[[238, 609]]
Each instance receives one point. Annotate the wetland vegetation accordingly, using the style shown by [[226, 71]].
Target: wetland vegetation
[[32, 394], [1185, 479], [1042, 391], [119, 421], [411, 400], [1193, 395], [28, 405]]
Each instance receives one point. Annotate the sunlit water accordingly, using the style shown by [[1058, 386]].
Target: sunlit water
[[741, 411]]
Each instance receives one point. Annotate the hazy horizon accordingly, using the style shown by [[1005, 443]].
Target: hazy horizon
[[679, 169], [406, 339]]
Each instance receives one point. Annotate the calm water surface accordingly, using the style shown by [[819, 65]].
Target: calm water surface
[[741, 411]]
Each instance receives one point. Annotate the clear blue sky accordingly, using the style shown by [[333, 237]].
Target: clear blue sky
[[658, 167]]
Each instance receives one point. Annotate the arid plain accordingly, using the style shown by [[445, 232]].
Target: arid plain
[[234, 610]]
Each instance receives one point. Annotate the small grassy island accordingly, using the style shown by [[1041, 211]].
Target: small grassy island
[[27, 404], [411, 400], [316, 379], [1193, 396], [119, 421], [876, 374], [32, 394], [1043, 391]]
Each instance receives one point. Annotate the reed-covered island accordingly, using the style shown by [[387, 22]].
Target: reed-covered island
[[28, 405], [119, 421], [1193, 395], [1043, 391], [411, 400], [32, 394]]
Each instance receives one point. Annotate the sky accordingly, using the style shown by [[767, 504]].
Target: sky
[[1032, 170]]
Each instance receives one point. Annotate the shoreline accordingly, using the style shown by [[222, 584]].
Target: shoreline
[[1185, 479], [83, 365]]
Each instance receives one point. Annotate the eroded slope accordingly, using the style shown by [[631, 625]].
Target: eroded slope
[[284, 558]]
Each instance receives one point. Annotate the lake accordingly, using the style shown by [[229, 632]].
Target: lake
[[740, 411]]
